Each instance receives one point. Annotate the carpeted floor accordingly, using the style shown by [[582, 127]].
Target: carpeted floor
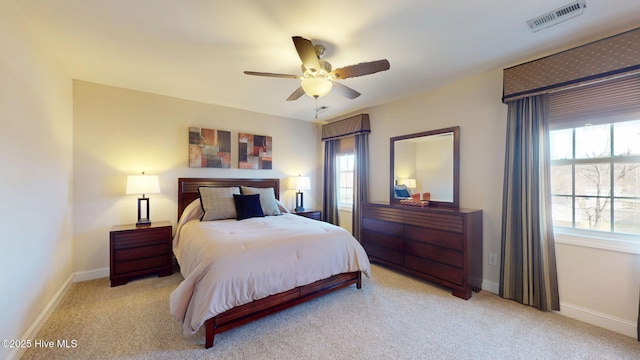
[[392, 317]]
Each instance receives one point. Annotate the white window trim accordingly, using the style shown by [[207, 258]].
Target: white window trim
[[594, 239]]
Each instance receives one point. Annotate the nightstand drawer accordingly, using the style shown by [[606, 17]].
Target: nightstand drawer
[[141, 264], [311, 214], [132, 239], [142, 252]]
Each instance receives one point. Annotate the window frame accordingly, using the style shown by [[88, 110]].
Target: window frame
[[608, 240], [341, 205]]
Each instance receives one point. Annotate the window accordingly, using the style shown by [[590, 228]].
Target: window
[[595, 177], [345, 181]]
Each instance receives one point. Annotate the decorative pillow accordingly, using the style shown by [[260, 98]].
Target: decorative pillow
[[248, 206], [217, 202], [267, 199], [402, 193]]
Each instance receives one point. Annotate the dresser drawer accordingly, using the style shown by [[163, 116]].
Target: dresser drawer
[[382, 226], [435, 269], [434, 237], [383, 253], [435, 253]]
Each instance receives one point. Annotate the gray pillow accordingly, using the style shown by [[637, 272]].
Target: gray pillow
[[267, 199], [217, 202]]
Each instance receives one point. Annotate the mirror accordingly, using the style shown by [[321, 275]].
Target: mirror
[[427, 162]]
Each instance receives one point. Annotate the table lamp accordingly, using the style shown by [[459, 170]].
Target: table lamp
[[143, 184]]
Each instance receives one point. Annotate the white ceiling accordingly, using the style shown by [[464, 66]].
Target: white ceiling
[[198, 49]]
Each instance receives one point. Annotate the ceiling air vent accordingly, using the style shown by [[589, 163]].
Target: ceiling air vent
[[557, 16]]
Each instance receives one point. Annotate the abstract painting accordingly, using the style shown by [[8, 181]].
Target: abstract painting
[[255, 151], [209, 148]]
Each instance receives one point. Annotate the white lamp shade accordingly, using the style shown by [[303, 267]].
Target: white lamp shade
[[303, 183], [142, 184], [316, 87], [410, 183]]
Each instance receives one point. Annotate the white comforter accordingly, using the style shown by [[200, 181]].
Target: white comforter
[[229, 263]]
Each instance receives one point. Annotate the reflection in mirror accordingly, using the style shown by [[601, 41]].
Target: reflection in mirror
[[425, 166]]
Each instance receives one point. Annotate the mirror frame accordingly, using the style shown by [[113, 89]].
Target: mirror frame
[[456, 165]]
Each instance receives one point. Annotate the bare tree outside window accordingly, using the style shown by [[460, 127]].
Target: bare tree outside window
[[596, 177]]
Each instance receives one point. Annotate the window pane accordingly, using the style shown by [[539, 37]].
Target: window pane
[[593, 179], [626, 137], [345, 179], [627, 216], [561, 144], [627, 180], [561, 209], [593, 213], [593, 141], [561, 179]]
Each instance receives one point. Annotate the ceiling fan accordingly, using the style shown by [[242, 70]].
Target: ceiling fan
[[318, 78]]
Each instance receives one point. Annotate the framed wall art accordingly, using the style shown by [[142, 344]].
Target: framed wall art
[[209, 148], [255, 151]]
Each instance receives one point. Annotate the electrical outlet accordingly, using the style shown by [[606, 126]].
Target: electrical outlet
[[493, 259]]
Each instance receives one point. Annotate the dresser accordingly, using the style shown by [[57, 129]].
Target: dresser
[[140, 250], [441, 245]]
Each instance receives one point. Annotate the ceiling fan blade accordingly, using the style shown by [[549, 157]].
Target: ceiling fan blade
[[272, 75], [296, 94], [307, 53], [361, 69], [345, 90]]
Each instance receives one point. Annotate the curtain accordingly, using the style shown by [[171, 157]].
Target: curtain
[[332, 134], [330, 193], [360, 180], [528, 270]]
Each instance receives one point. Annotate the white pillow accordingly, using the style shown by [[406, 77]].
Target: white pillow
[[192, 211], [283, 209], [217, 202], [267, 199]]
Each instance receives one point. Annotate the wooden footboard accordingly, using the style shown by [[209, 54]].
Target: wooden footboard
[[260, 308]]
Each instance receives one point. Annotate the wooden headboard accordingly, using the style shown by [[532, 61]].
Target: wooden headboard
[[188, 187]]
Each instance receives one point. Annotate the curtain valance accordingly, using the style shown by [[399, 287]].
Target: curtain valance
[[354, 125], [611, 57]]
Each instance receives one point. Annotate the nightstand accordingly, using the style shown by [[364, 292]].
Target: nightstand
[[140, 250], [311, 214]]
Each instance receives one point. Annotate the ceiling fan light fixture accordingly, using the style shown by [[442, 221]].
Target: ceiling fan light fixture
[[316, 87]]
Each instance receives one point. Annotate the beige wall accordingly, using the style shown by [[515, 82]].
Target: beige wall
[[118, 132], [474, 105], [36, 179], [597, 286]]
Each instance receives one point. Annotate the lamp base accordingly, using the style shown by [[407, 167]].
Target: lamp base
[[143, 222], [299, 202]]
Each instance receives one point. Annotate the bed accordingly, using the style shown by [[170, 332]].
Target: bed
[[239, 271]]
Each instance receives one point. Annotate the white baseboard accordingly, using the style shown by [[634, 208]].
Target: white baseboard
[[491, 287], [615, 324], [33, 330], [90, 274], [599, 319]]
